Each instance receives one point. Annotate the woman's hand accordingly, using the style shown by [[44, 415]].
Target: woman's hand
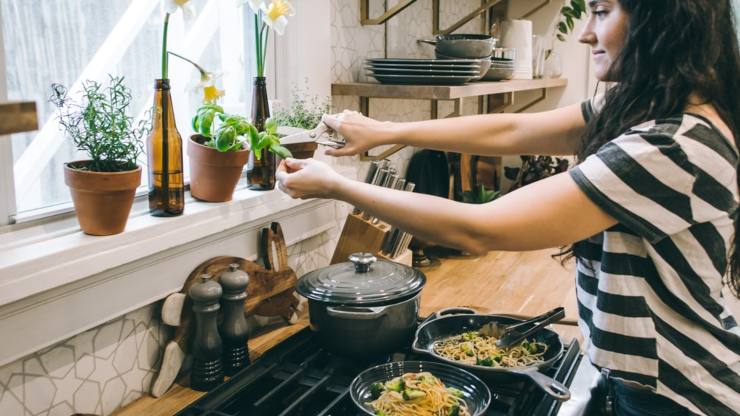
[[360, 133], [307, 178]]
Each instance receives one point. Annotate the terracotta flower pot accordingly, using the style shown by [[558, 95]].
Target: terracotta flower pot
[[303, 150], [102, 200], [213, 174]]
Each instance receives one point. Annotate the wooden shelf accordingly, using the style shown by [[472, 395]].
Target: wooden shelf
[[444, 92]]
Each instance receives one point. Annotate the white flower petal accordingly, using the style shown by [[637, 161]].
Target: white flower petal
[[278, 25], [168, 6]]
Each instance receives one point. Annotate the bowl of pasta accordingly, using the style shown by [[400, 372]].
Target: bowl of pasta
[[419, 388]]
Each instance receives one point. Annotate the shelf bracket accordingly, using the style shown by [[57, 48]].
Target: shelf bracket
[[536, 9], [366, 20], [542, 97], [472, 15]]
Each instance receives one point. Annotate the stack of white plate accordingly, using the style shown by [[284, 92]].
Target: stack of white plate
[[423, 71]]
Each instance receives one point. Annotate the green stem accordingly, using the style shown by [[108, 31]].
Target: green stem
[[164, 46], [202, 71], [258, 43], [264, 51]]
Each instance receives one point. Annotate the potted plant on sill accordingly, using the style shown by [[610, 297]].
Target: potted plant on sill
[[218, 152], [103, 186], [304, 113]]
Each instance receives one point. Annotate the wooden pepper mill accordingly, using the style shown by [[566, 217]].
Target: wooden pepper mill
[[234, 329], [207, 371]]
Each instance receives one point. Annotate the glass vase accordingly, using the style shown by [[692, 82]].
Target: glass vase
[[164, 153], [261, 172]]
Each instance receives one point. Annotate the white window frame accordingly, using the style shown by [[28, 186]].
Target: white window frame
[[116, 44]]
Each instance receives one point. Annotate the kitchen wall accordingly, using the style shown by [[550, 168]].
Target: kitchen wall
[[111, 365]]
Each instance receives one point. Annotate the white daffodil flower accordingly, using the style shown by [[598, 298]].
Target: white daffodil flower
[[275, 15], [255, 5], [171, 6]]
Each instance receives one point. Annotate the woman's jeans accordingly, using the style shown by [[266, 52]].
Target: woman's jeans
[[612, 397]]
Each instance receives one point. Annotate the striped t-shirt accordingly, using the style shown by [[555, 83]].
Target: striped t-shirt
[[649, 288]]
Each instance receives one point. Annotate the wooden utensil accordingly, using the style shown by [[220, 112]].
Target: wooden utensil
[[270, 293], [275, 255]]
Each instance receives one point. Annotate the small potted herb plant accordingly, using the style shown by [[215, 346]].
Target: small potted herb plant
[[221, 148], [103, 186], [304, 113]]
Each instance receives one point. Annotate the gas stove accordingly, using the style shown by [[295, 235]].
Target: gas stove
[[299, 378]]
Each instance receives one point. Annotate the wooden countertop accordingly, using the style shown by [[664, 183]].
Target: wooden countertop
[[524, 283]]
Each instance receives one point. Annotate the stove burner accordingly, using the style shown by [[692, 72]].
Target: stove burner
[[299, 378]]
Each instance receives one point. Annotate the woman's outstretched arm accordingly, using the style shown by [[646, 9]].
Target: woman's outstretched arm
[[550, 213], [555, 132]]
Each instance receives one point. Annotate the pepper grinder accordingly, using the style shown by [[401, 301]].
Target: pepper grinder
[[207, 371], [234, 329]]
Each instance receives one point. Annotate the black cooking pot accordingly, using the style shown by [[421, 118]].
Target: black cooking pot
[[363, 308]]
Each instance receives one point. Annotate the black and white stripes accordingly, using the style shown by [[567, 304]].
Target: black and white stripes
[[650, 289]]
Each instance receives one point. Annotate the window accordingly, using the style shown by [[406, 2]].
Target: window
[[73, 40]]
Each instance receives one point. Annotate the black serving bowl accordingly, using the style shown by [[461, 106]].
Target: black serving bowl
[[476, 393]]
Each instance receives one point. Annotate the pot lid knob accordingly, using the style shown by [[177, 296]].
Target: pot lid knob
[[362, 261]]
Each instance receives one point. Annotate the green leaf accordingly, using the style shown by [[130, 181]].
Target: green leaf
[[579, 5], [563, 28], [271, 126], [225, 138], [280, 151], [561, 37], [206, 122], [570, 23]]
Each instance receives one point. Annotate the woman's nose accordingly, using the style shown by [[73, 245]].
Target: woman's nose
[[587, 36]]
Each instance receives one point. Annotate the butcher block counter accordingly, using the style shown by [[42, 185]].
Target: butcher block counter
[[524, 283]]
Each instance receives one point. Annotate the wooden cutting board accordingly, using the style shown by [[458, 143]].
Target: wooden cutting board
[[270, 293]]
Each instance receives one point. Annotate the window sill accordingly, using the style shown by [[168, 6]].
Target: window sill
[[29, 263]]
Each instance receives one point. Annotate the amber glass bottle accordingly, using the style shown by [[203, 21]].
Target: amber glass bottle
[[164, 152], [261, 173]]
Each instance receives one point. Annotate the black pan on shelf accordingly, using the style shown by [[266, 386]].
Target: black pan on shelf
[[454, 321]]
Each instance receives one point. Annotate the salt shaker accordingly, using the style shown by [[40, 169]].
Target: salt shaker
[[234, 329], [207, 371]]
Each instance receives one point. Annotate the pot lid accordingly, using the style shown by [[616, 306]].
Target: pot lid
[[363, 280]]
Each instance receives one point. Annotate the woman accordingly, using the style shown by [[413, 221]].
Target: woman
[[650, 209]]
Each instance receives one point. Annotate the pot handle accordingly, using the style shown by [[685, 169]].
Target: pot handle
[[456, 310], [431, 42], [371, 312], [552, 387]]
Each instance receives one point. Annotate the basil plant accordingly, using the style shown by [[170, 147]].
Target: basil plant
[[228, 132]]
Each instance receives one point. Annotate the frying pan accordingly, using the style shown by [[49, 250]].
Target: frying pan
[[454, 321]]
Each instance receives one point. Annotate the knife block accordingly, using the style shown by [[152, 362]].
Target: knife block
[[360, 235]]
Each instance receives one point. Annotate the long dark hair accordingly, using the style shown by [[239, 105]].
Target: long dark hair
[[673, 49]]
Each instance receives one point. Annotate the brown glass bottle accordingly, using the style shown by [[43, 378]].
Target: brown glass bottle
[[164, 152], [261, 173]]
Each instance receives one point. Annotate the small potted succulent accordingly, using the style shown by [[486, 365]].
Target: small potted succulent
[[103, 186], [220, 149]]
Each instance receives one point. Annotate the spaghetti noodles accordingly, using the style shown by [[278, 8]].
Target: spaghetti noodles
[[477, 349], [417, 394]]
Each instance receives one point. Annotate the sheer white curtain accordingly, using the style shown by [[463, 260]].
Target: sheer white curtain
[[68, 41]]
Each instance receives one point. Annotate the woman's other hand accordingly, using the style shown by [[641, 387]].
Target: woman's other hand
[[360, 133], [307, 178]]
